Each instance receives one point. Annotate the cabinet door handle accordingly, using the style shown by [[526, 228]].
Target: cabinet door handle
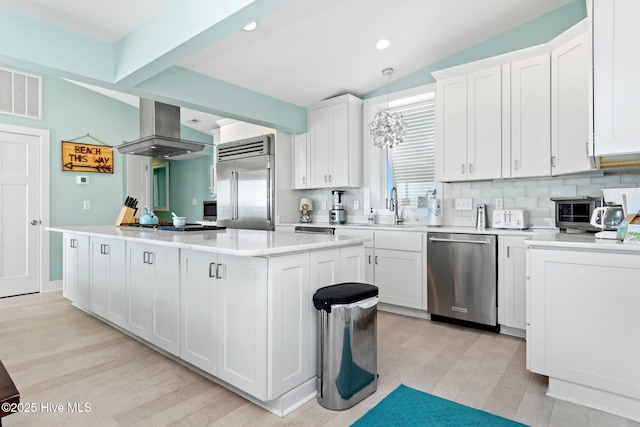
[[104, 249], [150, 258], [516, 164], [145, 256], [462, 169], [73, 243], [376, 259], [369, 259], [507, 251], [553, 161], [470, 167], [325, 178], [211, 270], [218, 272], [330, 178], [304, 180]]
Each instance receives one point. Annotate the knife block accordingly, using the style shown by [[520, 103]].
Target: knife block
[[126, 216]]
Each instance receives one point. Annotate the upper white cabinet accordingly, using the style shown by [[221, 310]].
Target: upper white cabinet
[[616, 66], [300, 161], [468, 123], [530, 118], [335, 143], [521, 114], [570, 146]]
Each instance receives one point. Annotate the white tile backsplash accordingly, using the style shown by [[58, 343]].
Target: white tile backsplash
[[531, 194]]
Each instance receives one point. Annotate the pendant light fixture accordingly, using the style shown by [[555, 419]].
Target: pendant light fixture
[[387, 128]]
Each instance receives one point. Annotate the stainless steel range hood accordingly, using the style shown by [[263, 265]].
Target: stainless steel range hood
[[159, 133]]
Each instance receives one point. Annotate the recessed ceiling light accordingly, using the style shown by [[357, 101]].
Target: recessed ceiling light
[[383, 44], [250, 26]]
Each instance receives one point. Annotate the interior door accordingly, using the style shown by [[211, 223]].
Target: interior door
[[19, 214]]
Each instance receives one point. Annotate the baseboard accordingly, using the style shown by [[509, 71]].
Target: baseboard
[[53, 285]]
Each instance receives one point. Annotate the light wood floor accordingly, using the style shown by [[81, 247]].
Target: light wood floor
[[57, 355]]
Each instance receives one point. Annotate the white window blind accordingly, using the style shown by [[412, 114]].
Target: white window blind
[[412, 163]]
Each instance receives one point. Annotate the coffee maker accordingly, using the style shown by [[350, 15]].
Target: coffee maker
[[337, 214]]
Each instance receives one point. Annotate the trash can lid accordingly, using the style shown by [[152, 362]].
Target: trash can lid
[[343, 293]]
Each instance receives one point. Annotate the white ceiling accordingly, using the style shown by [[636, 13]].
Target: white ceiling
[[309, 50]]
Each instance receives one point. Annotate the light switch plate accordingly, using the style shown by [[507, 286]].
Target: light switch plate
[[86, 205], [464, 204], [499, 203]]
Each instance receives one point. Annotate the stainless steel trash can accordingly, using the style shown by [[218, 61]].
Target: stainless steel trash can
[[348, 344]]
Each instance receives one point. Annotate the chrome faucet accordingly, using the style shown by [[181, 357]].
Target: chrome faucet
[[392, 205]]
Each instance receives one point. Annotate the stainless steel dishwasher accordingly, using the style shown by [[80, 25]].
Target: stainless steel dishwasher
[[462, 278]]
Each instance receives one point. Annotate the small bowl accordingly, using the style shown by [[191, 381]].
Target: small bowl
[[179, 221]]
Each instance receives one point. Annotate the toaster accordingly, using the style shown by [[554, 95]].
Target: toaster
[[510, 218]]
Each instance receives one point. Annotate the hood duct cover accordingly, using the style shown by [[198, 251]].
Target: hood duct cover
[[159, 133]]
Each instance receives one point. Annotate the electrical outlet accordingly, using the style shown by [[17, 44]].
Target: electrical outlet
[[464, 204], [499, 203], [86, 205], [324, 205], [356, 204], [194, 202]]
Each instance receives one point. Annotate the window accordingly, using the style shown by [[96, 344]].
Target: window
[[411, 164]]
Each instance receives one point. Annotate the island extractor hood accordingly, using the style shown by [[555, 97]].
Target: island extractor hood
[[159, 133]]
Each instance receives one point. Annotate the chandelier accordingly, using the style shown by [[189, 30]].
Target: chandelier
[[387, 128]]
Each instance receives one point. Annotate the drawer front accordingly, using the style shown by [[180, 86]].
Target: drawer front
[[399, 240], [357, 233]]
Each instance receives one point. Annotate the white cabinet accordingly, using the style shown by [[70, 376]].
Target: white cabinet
[[512, 282], [469, 126], [616, 66], [300, 159], [530, 118], [153, 282], [570, 151], [335, 143], [584, 312], [223, 318], [395, 263], [75, 284], [107, 283]]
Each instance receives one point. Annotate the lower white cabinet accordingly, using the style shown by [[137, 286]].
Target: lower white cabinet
[[75, 283], [223, 318], [153, 281], [512, 282], [584, 309], [107, 283]]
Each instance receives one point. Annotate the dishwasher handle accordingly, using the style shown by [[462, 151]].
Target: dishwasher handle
[[475, 242]]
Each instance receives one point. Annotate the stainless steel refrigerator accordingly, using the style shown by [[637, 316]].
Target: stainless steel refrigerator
[[245, 177]]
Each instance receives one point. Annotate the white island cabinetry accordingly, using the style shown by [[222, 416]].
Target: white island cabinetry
[[107, 284], [235, 304], [153, 282], [75, 282]]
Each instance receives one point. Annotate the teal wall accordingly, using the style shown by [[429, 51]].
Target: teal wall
[[537, 31], [71, 111]]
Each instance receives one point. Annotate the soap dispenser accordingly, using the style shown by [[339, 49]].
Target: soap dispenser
[[371, 219]]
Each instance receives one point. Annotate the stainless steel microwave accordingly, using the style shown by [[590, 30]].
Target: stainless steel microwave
[[210, 210], [575, 212]]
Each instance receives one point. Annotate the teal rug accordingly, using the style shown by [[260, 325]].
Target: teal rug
[[407, 407]]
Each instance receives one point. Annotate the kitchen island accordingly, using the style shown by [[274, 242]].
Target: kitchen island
[[582, 316], [234, 305]]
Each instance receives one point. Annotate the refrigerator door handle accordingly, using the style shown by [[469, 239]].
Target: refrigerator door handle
[[232, 191], [269, 196], [235, 195]]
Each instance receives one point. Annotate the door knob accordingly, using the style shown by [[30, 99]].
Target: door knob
[[35, 222]]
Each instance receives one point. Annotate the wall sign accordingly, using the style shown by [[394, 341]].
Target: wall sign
[[80, 157]]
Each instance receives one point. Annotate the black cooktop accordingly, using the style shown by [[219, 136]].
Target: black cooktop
[[187, 227]]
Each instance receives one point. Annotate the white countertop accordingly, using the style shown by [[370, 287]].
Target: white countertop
[[229, 241], [424, 228], [580, 241]]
